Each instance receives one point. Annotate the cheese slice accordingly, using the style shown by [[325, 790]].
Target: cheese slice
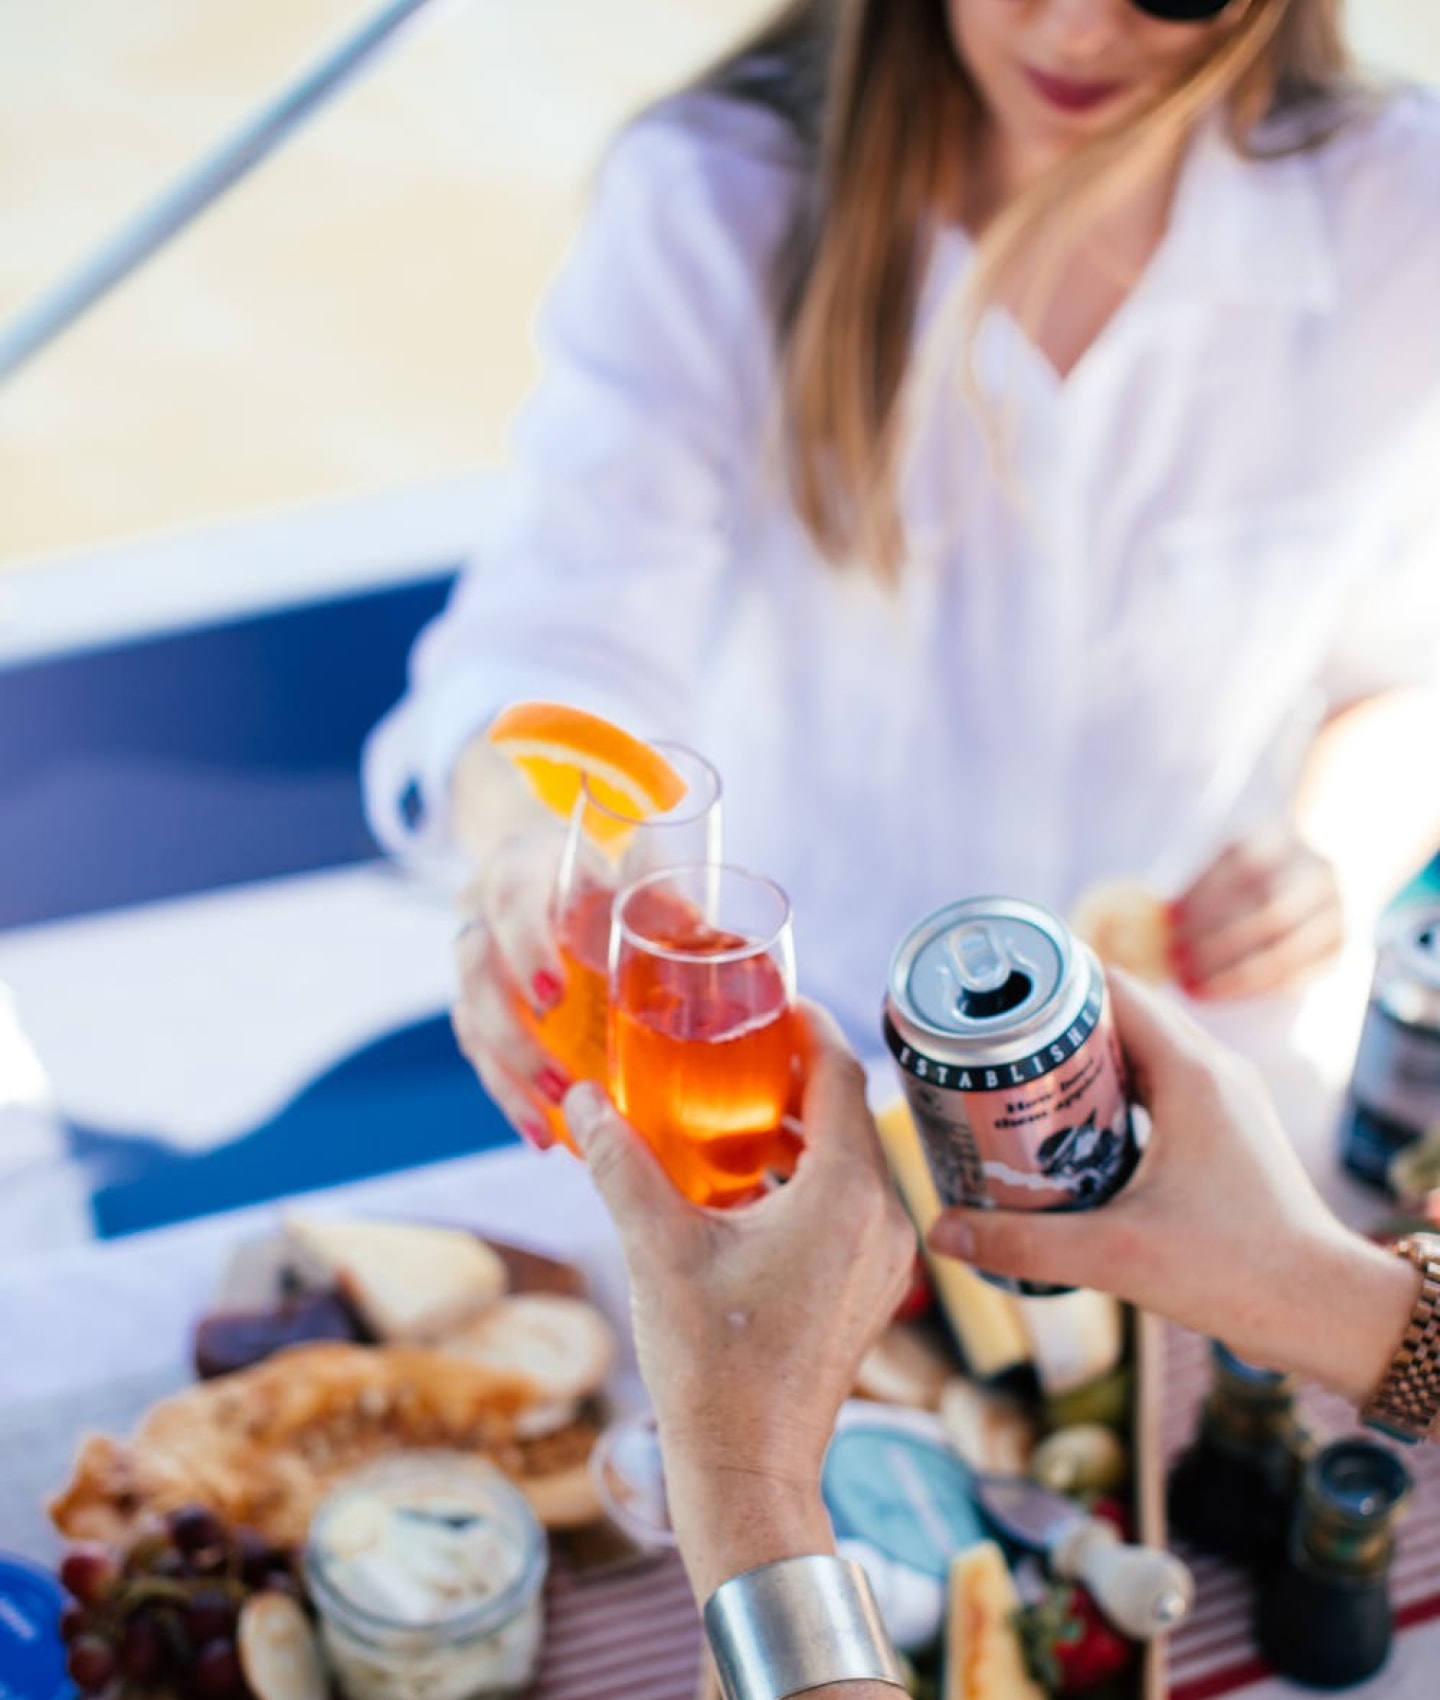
[[983, 1656], [985, 1321], [408, 1281]]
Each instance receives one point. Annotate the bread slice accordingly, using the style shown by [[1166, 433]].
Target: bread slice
[[407, 1281], [279, 1655], [983, 1656], [563, 1347], [904, 1367], [1126, 924]]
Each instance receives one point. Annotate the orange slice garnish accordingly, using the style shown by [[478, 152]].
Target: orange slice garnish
[[558, 748]]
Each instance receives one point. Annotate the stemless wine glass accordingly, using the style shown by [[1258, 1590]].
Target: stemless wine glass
[[701, 1025], [606, 848], [629, 1478]]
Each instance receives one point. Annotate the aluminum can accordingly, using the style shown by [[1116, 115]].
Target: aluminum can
[[998, 1019], [1394, 1094]]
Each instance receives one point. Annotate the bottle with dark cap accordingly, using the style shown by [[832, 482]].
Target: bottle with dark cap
[[1323, 1615], [1233, 1490]]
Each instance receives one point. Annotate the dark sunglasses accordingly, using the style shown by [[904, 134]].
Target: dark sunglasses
[[1181, 11]]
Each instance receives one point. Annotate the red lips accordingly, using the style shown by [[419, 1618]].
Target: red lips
[[1067, 95]]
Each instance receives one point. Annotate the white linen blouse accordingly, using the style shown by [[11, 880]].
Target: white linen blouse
[[1103, 662]]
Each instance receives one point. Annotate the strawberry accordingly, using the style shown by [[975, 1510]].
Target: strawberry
[[1069, 1646]]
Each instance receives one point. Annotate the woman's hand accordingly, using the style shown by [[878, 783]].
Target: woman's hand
[[509, 967], [1220, 1229], [750, 1323], [1262, 916]]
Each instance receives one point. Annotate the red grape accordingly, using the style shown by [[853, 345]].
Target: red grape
[[73, 1621], [257, 1556], [209, 1616], [194, 1527], [142, 1649], [88, 1572], [91, 1663], [215, 1675]]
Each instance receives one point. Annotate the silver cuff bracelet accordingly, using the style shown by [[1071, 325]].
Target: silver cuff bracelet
[[796, 1624]]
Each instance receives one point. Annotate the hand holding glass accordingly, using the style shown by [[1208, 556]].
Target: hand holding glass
[[606, 848]]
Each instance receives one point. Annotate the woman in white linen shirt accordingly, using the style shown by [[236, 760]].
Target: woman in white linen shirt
[[1001, 435]]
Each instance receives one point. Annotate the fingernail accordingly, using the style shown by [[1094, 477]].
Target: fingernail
[[953, 1239], [553, 1084], [584, 1105], [537, 1133], [546, 987]]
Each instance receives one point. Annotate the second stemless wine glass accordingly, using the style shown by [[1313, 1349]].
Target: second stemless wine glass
[[606, 848], [701, 1026]]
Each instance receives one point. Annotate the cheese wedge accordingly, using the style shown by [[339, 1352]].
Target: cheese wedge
[[985, 1321], [407, 1281], [983, 1657]]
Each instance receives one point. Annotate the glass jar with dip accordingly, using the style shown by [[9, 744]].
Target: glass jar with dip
[[427, 1570]]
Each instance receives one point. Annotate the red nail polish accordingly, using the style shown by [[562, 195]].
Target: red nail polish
[[553, 1084], [546, 987], [537, 1134]]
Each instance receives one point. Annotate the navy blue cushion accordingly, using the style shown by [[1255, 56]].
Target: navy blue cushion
[[202, 758], [408, 1098]]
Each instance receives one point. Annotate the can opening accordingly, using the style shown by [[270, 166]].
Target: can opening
[[990, 983], [985, 1006]]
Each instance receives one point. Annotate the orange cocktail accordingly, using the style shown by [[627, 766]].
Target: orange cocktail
[[609, 843], [574, 1030], [702, 1042]]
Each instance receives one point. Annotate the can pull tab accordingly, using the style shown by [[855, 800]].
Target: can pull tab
[[990, 983]]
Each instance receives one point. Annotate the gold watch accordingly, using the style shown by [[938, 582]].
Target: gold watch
[[1407, 1401]]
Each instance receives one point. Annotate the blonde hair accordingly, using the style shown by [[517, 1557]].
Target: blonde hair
[[885, 119]]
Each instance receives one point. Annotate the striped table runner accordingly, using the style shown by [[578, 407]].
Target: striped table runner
[[634, 1636]]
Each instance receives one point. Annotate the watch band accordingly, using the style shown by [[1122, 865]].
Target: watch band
[[1407, 1401], [796, 1624]]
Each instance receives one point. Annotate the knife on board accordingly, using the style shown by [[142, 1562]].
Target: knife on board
[[1143, 1591]]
